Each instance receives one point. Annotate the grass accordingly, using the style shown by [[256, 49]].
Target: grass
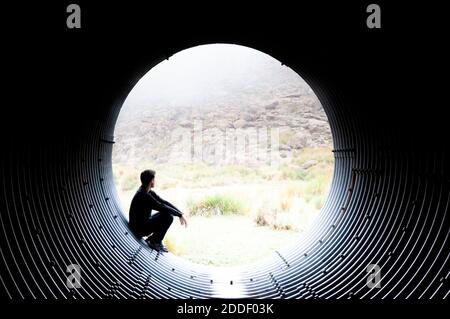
[[206, 175], [225, 240], [233, 209], [285, 137], [291, 172], [217, 204]]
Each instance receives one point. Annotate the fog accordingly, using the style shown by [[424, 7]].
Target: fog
[[212, 74]]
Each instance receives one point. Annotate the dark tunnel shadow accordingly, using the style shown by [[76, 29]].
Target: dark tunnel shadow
[[388, 202]]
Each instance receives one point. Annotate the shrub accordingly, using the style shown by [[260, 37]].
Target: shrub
[[261, 217], [289, 172], [217, 204]]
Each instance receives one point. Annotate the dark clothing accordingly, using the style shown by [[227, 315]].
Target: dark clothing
[[157, 225], [143, 223]]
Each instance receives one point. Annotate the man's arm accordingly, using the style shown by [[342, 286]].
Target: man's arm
[[183, 221], [162, 207], [164, 201]]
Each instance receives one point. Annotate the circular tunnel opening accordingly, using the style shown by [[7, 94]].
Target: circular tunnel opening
[[240, 143], [387, 205]]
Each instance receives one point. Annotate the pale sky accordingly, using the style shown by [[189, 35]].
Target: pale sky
[[206, 72]]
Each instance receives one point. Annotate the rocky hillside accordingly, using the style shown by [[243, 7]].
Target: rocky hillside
[[162, 130], [300, 120]]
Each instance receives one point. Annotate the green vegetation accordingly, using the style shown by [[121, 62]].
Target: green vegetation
[[225, 240], [235, 207], [206, 175], [216, 204]]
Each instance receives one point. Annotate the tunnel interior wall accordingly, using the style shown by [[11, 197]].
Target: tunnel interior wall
[[388, 203]]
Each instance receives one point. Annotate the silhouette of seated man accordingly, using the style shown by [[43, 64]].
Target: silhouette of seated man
[[142, 222]]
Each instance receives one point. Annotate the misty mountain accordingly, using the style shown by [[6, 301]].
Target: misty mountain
[[217, 89]]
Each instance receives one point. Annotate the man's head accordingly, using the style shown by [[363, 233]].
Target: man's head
[[148, 178]]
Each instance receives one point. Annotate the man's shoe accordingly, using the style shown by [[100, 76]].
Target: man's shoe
[[153, 245], [163, 248], [157, 246]]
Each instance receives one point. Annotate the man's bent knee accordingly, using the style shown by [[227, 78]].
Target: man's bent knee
[[169, 219]]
